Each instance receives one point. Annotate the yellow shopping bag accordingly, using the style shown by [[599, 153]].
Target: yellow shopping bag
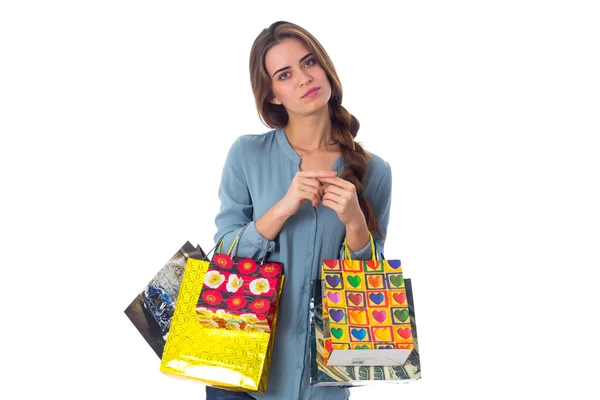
[[223, 357]]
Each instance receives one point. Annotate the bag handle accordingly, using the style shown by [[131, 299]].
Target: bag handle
[[347, 252], [234, 245], [208, 254], [236, 242], [220, 244]]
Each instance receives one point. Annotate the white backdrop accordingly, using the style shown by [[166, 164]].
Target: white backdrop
[[116, 116]]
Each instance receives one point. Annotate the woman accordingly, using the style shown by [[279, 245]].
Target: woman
[[302, 188]]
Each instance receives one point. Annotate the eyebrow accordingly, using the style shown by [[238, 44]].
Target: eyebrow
[[302, 59]]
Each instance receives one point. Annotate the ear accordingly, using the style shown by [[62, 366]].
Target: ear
[[274, 100]]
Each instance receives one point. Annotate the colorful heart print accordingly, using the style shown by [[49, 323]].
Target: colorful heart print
[[360, 334], [336, 315], [362, 347], [333, 280], [357, 316], [395, 264], [382, 334], [404, 332], [387, 346], [402, 315], [334, 297], [354, 281], [337, 332], [375, 281], [379, 315], [396, 280], [352, 265], [400, 297], [373, 264], [376, 298], [332, 264], [355, 298]]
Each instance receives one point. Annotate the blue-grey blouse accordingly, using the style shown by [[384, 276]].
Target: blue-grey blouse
[[257, 174]]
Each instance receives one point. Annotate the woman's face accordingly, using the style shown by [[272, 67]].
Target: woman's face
[[294, 71]]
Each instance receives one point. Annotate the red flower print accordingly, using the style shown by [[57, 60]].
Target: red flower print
[[247, 266], [270, 270], [236, 302], [212, 297], [259, 306], [223, 261]]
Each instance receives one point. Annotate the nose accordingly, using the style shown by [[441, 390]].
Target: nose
[[304, 78]]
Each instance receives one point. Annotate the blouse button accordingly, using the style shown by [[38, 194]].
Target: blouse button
[[309, 254]]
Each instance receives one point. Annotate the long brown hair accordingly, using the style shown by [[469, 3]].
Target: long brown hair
[[344, 126]]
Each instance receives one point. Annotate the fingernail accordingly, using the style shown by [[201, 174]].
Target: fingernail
[[332, 173]]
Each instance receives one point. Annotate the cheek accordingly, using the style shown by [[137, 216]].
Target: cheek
[[322, 75], [282, 93]]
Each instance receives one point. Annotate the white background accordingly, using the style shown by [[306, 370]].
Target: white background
[[116, 116]]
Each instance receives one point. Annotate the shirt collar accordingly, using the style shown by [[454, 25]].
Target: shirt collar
[[287, 149], [285, 146]]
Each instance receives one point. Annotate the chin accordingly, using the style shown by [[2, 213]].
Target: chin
[[314, 109]]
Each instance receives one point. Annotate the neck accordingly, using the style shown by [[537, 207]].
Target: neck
[[309, 132]]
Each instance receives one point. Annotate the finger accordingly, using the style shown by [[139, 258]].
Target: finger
[[311, 199], [320, 173], [312, 194], [310, 182], [332, 197], [340, 202], [336, 190], [342, 194], [330, 204], [309, 189], [337, 182]]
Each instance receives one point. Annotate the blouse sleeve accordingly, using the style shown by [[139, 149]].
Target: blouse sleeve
[[237, 209], [381, 203]]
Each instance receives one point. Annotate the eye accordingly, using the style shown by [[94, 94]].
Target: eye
[[308, 63]]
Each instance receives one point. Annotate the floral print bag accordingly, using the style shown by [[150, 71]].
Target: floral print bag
[[239, 292]]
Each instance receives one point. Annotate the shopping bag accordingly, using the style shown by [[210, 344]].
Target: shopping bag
[[357, 375], [366, 312], [235, 356], [239, 291], [152, 309]]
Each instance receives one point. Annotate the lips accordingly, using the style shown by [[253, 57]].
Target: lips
[[309, 91]]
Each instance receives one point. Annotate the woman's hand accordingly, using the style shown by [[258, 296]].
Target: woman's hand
[[340, 196], [304, 186]]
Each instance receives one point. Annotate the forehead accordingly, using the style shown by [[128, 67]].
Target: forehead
[[287, 53]]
